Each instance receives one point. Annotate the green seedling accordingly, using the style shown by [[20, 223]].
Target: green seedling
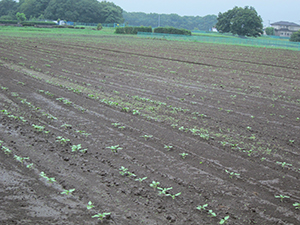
[[125, 109], [135, 112], [90, 205], [22, 119], [154, 184], [203, 207], [62, 140], [252, 137], [297, 205], [67, 192], [20, 159], [116, 124], [115, 148], [281, 197], [173, 196], [211, 213], [224, 220], [38, 128], [122, 127], [4, 88], [6, 150], [168, 147], [249, 128], [30, 166], [78, 148], [283, 164], [141, 179], [131, 174], [101, 216], [147, 136], [163, 191], [66, 125], [123, 170], [231, 174], [49, 179], [291, 141], [183, 155]]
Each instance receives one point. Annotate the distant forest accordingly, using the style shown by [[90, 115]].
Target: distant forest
[[93, 11], [87, 11], [170, 20]]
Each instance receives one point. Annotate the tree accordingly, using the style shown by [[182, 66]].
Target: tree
[[295, 37], [270, 31], [8, 7], [21, 16], [33, 8], [240, 21]]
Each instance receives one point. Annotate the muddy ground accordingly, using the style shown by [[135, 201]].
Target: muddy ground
[[233, 111]]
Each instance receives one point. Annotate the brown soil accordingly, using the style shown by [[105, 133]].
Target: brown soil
[[233, 110]]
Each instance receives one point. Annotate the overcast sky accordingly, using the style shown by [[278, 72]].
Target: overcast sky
[[273, 10]]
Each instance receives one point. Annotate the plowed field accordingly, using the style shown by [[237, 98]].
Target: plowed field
[[216, 128]]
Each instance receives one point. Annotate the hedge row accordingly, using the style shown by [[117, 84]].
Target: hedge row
[[132, 30], [8, 22], [172, 30], [33, 23]]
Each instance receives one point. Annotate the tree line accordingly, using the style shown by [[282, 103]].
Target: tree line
[[87, 11], [170, 20]]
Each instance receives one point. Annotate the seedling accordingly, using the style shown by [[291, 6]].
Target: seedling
[[297, 205], [183, 155], [101, 216], [249, 128], [231, 174], [281, 197], [147, 136], [202, 207], [173, 196], [78, 148], [66, 125], [122, 127], [30, 166], [141, 179], [90, 205], [6, 150], [212, 214], [67, 192], [131, 174], [125, 109], [135, 112], [20, 159], [283, 164], [291, 141], [38, 128], [116, 124], [115, 148], [49, 179], [62, 140], [154, 184], [224, 220], [168, 147], [163, 191], [123, 170]]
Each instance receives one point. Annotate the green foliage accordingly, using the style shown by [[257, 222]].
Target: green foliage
[[8, 8], [87, 11], [295, 37], [132, 30], [172, 30], [170, 20], [37, 23], [8, 21], [240, 21], [99, 26], [21, 16], [270, 31]]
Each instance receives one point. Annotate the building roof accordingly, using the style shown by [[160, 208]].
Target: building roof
[[285, 23]]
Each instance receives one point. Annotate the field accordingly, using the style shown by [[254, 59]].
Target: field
[[114, 129]]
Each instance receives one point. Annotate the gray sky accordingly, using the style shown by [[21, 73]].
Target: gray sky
[[273, 10]]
